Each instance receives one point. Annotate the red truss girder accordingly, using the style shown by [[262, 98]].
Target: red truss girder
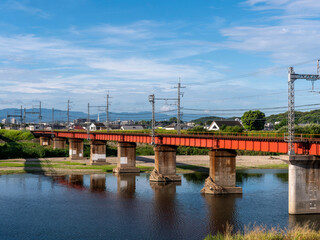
[[260, 144]]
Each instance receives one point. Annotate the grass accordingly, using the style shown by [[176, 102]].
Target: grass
[[305, 232], [267, 166]]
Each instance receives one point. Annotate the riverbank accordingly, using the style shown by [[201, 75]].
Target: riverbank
[[297, 233], [185, 164]]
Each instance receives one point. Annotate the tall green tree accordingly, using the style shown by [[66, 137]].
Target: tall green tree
[[253, 120]]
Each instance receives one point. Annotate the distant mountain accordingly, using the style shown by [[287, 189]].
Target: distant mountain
[[61, 115]]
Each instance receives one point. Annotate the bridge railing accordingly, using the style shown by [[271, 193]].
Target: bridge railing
[[251, 134]]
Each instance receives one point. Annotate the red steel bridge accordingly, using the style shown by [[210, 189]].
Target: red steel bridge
[[261, 142]]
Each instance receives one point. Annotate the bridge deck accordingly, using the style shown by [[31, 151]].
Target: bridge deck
[[307, 146]]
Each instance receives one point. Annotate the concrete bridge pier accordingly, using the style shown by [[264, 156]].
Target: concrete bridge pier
[[97, 152], [45, 141], [222, 173], [76, 149], [127, 158], [304, 184], [165, 164], [59, 143]]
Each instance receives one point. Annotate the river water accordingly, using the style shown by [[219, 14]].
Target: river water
[[129, 207]]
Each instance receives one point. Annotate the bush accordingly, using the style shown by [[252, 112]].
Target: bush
[[29, 150], [15, 135]]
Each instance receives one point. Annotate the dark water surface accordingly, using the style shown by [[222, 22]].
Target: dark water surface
[[130, 207]]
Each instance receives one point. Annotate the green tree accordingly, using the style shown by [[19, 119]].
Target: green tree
[[253, 120], [173, 119]]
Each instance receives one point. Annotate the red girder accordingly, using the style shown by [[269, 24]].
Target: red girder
[[260, 144]]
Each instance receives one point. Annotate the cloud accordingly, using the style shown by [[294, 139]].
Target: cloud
[[293, 8], [288, 40], [18, 6]]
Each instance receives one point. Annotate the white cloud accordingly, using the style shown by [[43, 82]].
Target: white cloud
[[18, 6], [291, 39]]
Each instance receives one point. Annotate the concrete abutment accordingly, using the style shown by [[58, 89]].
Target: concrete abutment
[[222, 173], [304, 184], [165, 164], [127, 158]]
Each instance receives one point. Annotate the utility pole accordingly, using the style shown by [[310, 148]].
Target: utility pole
[[24, 116], [88, 125], [40, 117], [21, 117], [68, 112], [179, 106], [292, 77], [52, 116], [107, 112], [153, 124]]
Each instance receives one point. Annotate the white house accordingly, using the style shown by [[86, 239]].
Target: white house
[[216, 125], [131, 128]]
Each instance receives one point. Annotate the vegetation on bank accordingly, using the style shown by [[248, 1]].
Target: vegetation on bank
[[305, 232], [15, 135], [29, 150]]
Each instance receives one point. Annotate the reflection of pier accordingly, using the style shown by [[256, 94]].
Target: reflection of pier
[[126, 184], [164, 196], [97, 182], [311, 221], [221, 211], [72, 181]]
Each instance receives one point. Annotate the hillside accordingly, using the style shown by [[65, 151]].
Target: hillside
[[301, 117], [204, 120]]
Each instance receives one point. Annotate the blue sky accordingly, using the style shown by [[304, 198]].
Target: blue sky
[[229, 54]]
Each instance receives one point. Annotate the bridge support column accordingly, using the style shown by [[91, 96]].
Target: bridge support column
[[165, 164], [59, 143], [76, 149], [45, 141], [222, 173], [127, 158], [304, 184], [97, 152]]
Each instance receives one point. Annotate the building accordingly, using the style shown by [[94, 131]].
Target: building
[[216, 125], [126, 128], [97, 126]]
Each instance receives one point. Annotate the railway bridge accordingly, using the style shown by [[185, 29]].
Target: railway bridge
[[304, 167]]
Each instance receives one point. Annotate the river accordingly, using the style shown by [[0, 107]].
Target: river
[[104, 206]]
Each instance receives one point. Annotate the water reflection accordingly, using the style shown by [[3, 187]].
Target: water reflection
[[242, 177], [302, 220], [126, 184], [76, 181], [97, 182], [165, 196], [221, 211], [283, 177], [197, 177]]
